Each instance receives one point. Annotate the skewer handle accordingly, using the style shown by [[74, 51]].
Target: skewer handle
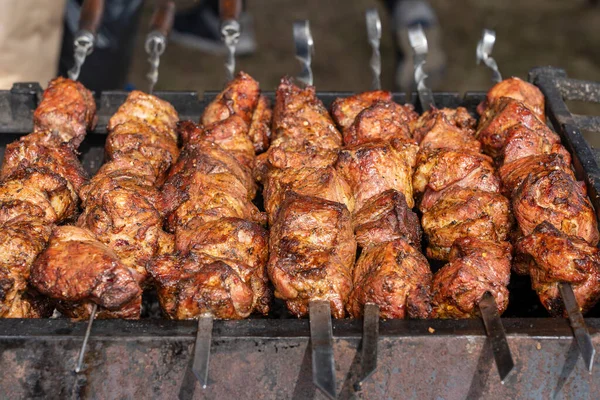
[[321, 339], [374, 33], [580, 331], [484, 53], [230, 9], [418, 42], [91, 15], [304, 50], [163, 17]]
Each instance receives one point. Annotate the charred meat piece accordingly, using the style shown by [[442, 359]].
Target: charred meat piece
[[260, 126], [67, 109], [385, 218], [232, 136], [149, 110], [465, 212], [553, 257], [373, 168], [514, 173], [554, 196], [312, 250], [75, 267], [441, 170], [240, 97], [381, 121], [475, 266], [438, 132], [396, 277], [44, 150], [519, 90], [523, 142], [445, 118], [345, 109], [499, 117], [325, 183]]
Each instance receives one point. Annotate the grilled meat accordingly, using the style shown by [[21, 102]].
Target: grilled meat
[[67, 109], [218, 269], [394, 275], [514, 173], [457, 123], [75, 267], [312, 250], [554, 196], [373, 168], [231, 135], [475, 266], [260, 126], [385, 218], [441, 170], [523, 142], [325, 183], [519, 90], [240, 97], [465, 213], [345, 110], [551, 257]]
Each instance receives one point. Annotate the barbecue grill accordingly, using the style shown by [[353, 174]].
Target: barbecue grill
[[271, 357]]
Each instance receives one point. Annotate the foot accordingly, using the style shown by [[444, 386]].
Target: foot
[[199, 29]]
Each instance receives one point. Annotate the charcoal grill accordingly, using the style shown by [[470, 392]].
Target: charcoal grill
[[270, 357]]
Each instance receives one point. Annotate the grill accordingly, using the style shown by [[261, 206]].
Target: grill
[[271, 356]]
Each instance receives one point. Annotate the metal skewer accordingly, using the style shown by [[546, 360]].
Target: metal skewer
[[304, 50], [418, 42], [88, 331], [230, 11], [495, 332], [201, 361], [374, 34], [582, 336], [321, 340], [156, 41], [85, 38], [484, 53]]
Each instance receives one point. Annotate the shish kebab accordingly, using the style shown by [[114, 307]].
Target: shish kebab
[[557, 231]]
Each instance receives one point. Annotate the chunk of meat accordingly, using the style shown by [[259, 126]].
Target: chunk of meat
[[452, 119], [75, 267], [396, 277], [514, 173], [523, 142], [239, 98], [551, 257], [385, 218], [517, 89], [345, 109], [373, 168], [475, 266], [231, 135], [260, 127], [67, 109], [312, 251]]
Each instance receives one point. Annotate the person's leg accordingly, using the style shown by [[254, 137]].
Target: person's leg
[[199, 28], [405, 14]]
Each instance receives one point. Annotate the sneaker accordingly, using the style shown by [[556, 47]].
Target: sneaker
[[406, 14], [199, 29]]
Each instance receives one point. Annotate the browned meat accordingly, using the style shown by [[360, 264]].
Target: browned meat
[[553, 257], [49, 193], [517, 89], [260, 127], [385, 218], [325, 183], [44, 150], [441, 170], [514, 173], [29, 304], [395, 276], [373, 168], [75, 267], [21, 240], [555, 197], [499, 117], [345, 109], [381, 121], [465, 212], [148, 110], [475, 266], [239, 97], [312, 251], [438, 120], [523, 142], [219, 268], [232, 136], [284, 154], [67, 109]]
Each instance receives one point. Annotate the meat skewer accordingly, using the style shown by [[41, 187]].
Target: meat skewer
[[558, 226], [85, 38], [478, 272], [156, 40]]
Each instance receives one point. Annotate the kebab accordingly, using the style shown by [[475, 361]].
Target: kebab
[[39, 181]]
